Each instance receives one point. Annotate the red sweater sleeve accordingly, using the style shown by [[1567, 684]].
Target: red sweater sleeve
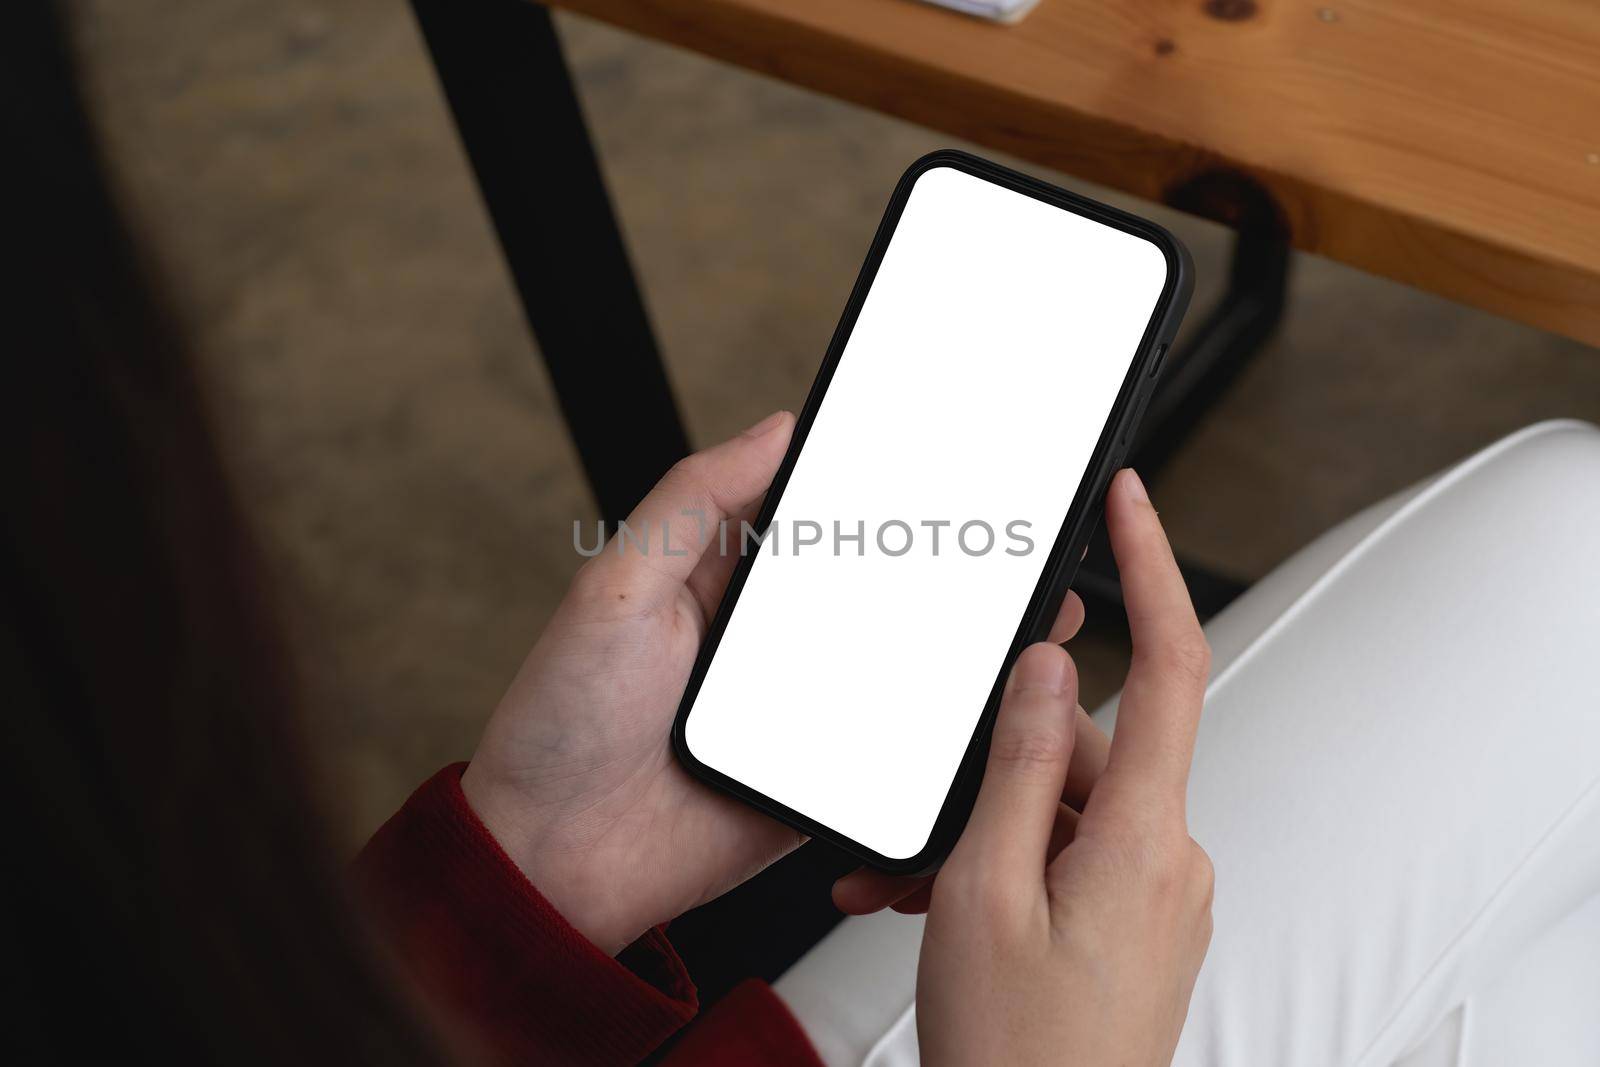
[[504, 968]]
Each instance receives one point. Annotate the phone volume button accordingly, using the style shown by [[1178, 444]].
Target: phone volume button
[[1155, 364]]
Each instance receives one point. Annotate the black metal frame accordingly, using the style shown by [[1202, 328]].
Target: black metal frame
[[502, 70], [1217, 351], [1234, 330]]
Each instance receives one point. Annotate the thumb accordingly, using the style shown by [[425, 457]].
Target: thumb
[[660, 542], [1008, 834]]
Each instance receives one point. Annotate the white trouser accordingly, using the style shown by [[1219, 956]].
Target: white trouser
[[1398, 780]]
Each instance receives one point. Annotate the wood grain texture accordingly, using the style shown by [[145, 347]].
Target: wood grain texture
[[1450, 144]]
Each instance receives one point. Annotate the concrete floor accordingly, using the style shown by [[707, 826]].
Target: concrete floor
[[393, 432]]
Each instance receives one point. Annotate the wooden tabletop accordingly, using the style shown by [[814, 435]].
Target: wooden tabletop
[[1450, 144]]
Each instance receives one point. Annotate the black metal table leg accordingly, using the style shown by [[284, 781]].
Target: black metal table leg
[[503, 72], [1219, 349], [1232, 332]]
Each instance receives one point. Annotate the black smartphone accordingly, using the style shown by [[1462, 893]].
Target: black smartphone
[[946, 471]]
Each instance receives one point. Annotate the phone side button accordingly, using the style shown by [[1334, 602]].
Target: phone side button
[[1155, 364]]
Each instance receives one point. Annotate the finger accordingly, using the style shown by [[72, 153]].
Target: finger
[[1029, 753], [917, 901], [1160, 706], [709, 579], [668, 534], [864, 891], [1062, 833], [1069, 620], [1090, 749]]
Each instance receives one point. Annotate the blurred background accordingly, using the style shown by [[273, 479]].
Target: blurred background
[[294, 169]]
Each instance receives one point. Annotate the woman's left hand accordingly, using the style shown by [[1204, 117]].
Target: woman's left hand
[[574, 775]]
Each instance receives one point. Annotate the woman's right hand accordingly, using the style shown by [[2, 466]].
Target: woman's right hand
[[1089, 957]]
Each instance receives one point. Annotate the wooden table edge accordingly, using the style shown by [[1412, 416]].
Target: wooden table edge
[[1559, 297]]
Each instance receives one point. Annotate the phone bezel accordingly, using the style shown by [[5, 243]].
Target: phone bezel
[[1060, 565]]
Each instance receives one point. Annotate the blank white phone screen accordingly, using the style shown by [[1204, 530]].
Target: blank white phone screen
[[980, 373]]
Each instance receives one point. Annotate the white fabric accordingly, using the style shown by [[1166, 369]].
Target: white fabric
[[1398, 780]]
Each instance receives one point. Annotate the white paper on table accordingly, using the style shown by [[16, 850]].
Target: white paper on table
[[997, 10]]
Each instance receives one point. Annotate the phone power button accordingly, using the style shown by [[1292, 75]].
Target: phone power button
[[1155, 364]]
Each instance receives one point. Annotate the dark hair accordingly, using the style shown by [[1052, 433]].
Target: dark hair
[[171, 888]]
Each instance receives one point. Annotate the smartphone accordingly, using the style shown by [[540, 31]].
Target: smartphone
[[945, 473]]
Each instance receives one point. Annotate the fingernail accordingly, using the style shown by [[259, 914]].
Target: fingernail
[[766, 425], [1036, 670], [1136, 487]]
